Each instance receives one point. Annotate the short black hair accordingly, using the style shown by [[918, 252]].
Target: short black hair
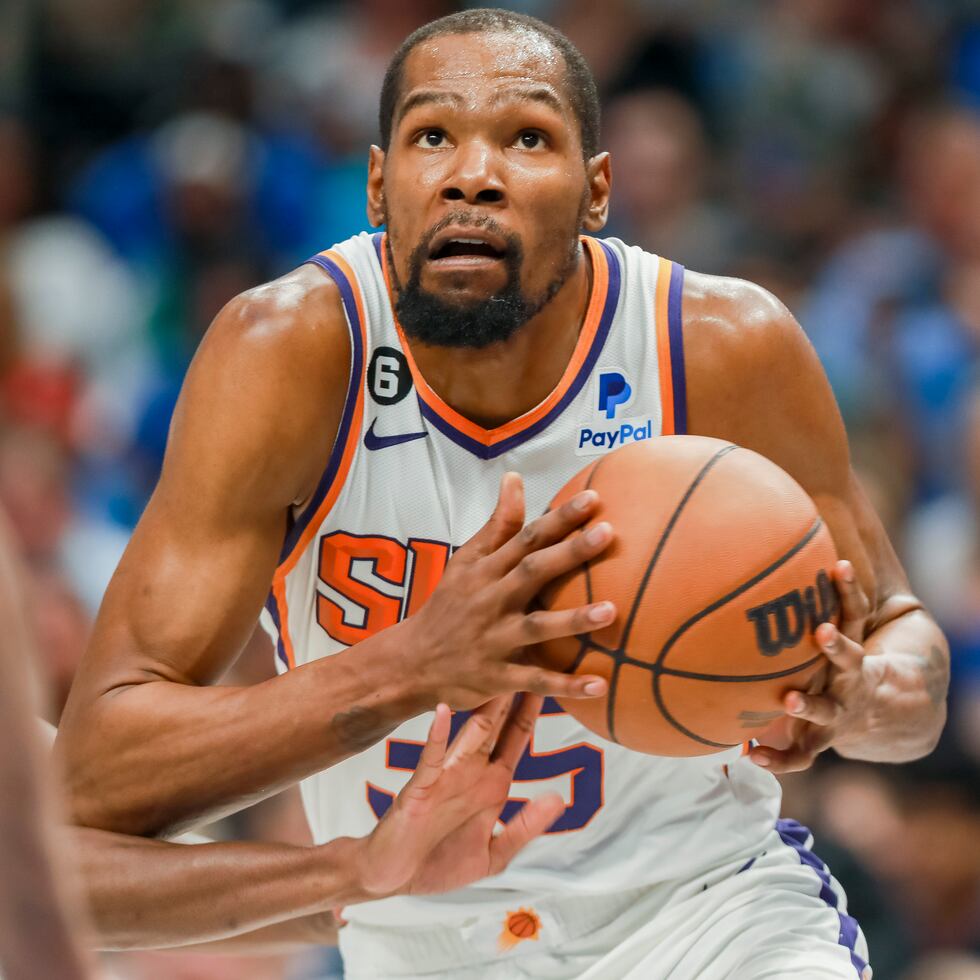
[[579, 81]]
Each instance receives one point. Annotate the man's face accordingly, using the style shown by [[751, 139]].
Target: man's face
[[483, 188]]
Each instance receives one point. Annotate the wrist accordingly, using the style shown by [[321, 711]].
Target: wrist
[[341, 864], [375, 686]]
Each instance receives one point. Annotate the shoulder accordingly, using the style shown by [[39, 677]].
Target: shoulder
[[297, 320], [754, 378], [268, 383], [736, 326]]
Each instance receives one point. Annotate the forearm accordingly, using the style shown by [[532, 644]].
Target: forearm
[[908, 710], [37, 933], [158, 756], [149, 894], [37, 919], [292, 935]]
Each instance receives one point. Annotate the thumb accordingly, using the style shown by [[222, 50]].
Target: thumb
[[505, 521]]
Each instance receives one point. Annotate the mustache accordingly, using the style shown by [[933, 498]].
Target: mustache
[[467, 219]]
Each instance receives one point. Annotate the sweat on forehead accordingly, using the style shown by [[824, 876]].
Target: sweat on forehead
[[489, 44], [454, 69]]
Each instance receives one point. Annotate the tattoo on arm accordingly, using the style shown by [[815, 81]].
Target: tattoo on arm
[[359, 728], [935, 675]]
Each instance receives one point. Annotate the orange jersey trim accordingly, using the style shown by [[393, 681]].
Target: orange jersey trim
[[352, 438], [587, 336], [660, 313]]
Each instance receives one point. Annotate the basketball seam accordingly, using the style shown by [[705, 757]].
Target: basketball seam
[[657, 670], [644, 581]]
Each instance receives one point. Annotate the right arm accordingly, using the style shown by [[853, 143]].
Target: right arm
[[149, 744]]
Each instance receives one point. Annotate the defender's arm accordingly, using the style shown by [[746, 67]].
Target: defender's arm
[[38, 924], [753, 378]]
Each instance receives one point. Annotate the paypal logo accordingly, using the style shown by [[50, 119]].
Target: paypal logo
[[614, 391], [611, 397]]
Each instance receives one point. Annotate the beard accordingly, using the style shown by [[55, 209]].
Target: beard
[[434, 319]]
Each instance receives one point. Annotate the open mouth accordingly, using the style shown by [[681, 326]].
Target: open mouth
[[466, 248]]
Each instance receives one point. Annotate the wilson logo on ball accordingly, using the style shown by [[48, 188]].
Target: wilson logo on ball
[[781, 623]]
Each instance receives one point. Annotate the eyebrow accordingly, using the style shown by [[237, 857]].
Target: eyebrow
[[427, 97], [536, 93]]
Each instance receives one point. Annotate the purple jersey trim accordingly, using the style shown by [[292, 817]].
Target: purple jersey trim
[[273, 608], [296, 528], [602, 331], [675, 331], [797, 836]]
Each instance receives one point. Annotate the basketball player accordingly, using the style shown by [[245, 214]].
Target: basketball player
[[343, 433]]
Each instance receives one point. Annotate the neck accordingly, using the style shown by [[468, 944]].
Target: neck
[[501, 382]]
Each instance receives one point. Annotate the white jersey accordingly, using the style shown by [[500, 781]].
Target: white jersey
[[408, 480]]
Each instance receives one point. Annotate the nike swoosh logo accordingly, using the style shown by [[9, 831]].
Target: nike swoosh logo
[[372, 442]]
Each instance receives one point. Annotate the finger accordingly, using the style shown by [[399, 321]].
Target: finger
[[532, 820], [548, 529], [543, 624], [517, 732], [799, 756], [539, 567], [842, 652], [506, 520], [551, 683], [434, 750], [818, 709], [855, 606], [478, 735]]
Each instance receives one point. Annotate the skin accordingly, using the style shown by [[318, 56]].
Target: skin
[[265, 897], [39, 922], [152, 746]]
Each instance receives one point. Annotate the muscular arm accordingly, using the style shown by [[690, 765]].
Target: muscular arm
[[150, 894], [754, 379], [37, 922], [149, 745]]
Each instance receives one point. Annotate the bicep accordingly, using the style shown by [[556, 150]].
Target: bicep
[[186, 595], [188, 591]]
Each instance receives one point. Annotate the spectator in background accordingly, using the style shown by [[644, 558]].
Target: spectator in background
[[662, 164], [892, 313], [916, 828]]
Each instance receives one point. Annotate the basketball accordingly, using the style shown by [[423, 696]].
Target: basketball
[[720, 575]]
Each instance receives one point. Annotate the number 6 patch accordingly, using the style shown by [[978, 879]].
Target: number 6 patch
[[389, 377]]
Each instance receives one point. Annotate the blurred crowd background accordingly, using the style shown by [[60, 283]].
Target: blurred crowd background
[[159, 156]]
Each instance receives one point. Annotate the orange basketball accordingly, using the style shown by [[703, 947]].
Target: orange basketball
[[720, 575]]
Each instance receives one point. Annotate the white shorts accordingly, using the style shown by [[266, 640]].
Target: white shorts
[[776, 915]]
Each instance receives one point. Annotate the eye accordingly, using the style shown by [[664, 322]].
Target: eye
[[530, 139], [431, 138]]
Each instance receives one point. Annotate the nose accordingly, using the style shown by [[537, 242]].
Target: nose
[[474, 176]]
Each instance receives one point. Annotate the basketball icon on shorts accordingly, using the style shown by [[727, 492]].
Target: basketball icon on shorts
[[518, 926]]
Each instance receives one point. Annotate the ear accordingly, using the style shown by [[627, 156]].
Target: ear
[[600, 178], [376, 210]]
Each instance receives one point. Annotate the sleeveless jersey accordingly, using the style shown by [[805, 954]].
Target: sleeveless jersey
[[409, 480]]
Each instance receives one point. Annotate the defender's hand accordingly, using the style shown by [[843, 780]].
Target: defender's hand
[[843, 710], [466, 639], [438, 834]]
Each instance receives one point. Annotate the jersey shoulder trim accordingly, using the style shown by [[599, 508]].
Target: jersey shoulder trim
[[491, 443], [304, 528], [670, 347]]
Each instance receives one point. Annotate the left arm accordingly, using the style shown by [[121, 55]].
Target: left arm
[[754, 379]]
